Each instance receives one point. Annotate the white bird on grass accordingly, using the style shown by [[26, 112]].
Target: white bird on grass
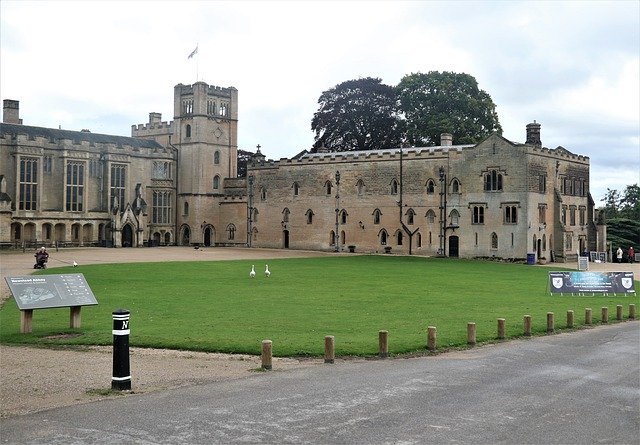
[[253, 272], [267, 273], [75, 264]]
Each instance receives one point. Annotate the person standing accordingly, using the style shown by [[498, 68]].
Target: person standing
[[632, 255], [619, 254]]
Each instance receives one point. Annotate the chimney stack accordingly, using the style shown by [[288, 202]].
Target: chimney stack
[[155, 118], [533, 134], [11, 112], [446, 139]]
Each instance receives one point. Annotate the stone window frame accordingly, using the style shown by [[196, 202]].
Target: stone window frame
[[377, 216], [430, 186]]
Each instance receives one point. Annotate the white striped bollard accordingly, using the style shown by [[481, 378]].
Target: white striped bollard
[[121, 379]]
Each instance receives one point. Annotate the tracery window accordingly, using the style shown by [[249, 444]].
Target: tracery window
[[28, 183], [75, 187], [493, 181], [161, 212]]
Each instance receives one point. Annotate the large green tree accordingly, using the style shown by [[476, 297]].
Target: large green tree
[[622, 215], [446, 102], [358, 114]]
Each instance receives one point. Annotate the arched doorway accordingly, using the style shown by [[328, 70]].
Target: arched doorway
[[127, 236], [209, 237], [186, 236], [453, 246], [285, 239], [539, 248]]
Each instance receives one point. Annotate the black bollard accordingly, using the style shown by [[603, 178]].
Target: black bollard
[[121, 379]]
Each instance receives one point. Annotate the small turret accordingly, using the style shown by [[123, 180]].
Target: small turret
[[533, 134]]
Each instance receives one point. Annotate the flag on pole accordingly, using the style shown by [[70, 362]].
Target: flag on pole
[[193, 53]]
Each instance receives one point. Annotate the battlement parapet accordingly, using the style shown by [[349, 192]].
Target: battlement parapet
[[155, 128], [560, 153], [213, 90], [363, 156]]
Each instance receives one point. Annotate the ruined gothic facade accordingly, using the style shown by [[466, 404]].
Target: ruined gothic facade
[[175, 183]]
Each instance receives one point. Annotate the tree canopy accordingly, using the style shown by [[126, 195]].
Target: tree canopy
[[365, 114], [622, 215], [358, 114], [436, 103]]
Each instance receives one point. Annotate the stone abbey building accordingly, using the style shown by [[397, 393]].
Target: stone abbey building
[[176, 183]]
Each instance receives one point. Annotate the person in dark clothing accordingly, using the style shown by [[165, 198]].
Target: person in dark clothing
[[42, 256]]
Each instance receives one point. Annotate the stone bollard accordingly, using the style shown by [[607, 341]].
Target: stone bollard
[[121, 378], [501, 328], [570, 319], [527, 325], [267, 356], [632, 312], [471, 333], [550, 322], [588, 316], [619, 312], [329, 349], [383, 344], [605, 315], [432, 338]]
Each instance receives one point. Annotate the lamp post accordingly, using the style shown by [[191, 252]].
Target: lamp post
[[337, 235]]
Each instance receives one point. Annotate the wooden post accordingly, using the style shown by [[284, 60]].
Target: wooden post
[[605, 315], [588, 316], [266, 354], [25, 321], [471, 333], [550, 322], [432, 338], [329, 349], [74, 316], [570, 319], [632, 312], [619, 312], [527, 325], [383, 343], [501, 330]]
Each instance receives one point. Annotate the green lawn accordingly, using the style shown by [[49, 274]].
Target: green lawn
[[215, 306]]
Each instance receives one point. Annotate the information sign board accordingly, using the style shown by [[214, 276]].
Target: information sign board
[[50, 291], [583, 263], [591, 282]]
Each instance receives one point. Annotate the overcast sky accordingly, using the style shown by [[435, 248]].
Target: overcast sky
[[571, 66]]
